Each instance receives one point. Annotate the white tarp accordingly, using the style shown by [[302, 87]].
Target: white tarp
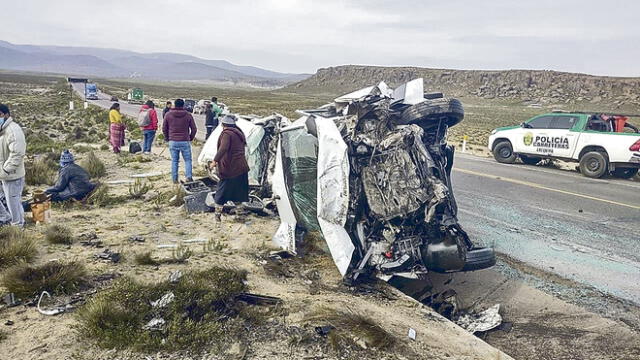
[[254, 135], [333, 192]]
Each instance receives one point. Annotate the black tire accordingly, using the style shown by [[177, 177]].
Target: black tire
[[625, 173], [594, 164], [530, 160], [503, 152], [433, 95], [478, 259], [429, 113]]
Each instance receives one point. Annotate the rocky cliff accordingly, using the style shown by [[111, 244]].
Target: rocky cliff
[[529, 86]]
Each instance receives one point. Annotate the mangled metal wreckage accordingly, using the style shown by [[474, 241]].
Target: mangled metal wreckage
[[372, 173]]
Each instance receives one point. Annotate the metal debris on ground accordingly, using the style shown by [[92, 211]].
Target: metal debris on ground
[[9, 322], [109, 255], [175, 276], [412, 334], [256, 299], [324, 330], [165, 300], [194, 241], [481, 322], [10, 300], [155, 324], [136, 238], [279, 255], [53, 311], [146, 175], [119, 182]]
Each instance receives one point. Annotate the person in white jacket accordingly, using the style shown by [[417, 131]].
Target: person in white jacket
[[12, 150]]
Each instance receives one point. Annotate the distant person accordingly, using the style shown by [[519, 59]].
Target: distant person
[[73, 181], [217, 110], [233, 169], [116, 128], [211, 120], [167, 107], [179, 130], [149, 131], [12, 150]]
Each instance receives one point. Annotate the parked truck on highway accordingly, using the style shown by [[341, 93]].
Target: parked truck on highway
[[135, 96], [601, 143], [91, 92]]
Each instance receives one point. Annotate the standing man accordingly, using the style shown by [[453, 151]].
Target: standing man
[[12, 150], [179, 130], [167, 107], [211, 120], [231, 162], [149, 130]]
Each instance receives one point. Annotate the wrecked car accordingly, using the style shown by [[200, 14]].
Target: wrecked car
[[371, 173]]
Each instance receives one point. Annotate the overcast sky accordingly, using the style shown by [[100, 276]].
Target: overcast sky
[[591, 36]]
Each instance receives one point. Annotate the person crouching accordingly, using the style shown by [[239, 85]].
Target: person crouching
[[232, 166], [73, 181]]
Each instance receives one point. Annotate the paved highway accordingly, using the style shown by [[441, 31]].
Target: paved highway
[[583, 229]]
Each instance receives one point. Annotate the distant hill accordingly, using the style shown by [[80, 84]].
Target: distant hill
[[115, 63], [534, 86]]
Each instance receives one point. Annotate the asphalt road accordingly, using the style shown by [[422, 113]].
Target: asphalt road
[[133, 109], [583, 229]]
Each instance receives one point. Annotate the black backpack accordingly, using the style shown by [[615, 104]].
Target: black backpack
[[134, 147]]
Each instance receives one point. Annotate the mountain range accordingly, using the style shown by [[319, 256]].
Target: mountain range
[[116, 63]]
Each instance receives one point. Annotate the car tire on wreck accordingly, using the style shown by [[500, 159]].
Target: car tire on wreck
[[429, 112], [480, 258]]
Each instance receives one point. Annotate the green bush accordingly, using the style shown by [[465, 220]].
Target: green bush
[[40, 172], [93, 165], [16, 246], [58, 234], [54, 277]]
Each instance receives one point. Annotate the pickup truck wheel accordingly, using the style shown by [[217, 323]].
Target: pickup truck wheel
[[480, 258], [594, 164], [625, 173], [503, 153], [530, 160]]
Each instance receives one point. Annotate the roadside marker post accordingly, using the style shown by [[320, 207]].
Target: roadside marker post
[[464, 143], [70, 105], [86, 104]]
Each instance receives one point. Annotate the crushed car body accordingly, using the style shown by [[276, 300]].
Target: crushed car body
[[371, 173]]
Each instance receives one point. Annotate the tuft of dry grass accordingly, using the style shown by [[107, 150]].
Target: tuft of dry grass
[[100, 197], [40, 171], [199, 316], [58, 234], [55, 277], [353, 329], [139, 188], [94, 166], [145, 258], [16, 246]]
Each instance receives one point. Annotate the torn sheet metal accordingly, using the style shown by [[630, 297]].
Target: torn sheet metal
[[483, 321], [53, 311], [333, 192], [285, 236], [410, 93]]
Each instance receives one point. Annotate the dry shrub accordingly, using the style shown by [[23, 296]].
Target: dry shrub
[[352, 329], [145, 258], [139, 188], [100, 197], [16, 246], [199, 316], [40, 171], [58, 234], [55, 277], [94, 166]]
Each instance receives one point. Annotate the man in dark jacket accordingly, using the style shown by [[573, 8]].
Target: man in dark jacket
[[179, 130], [211, 120], [167, 107], [73, 181], [231, 162]]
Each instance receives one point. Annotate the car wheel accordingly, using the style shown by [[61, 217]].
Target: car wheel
[[594, 164], [625, 173], [429, 113], [530, 160], [503, 153], [478, 259]]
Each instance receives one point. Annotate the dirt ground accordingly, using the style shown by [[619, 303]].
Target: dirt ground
[[32, 335]]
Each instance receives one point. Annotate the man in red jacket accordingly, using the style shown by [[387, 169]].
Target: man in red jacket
[[149, 131], [179, 130]]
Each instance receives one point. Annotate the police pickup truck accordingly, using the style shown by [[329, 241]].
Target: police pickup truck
[[602, 143]]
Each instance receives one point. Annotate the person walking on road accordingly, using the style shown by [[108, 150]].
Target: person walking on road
[[73, 181], [116, 128], [149, 131], [211, 120], [232, 166], [179, 130], [13, 147], [167, 107]]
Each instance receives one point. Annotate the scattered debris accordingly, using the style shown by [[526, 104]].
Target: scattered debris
[[483, 321], [412, 334], [165, 300], [255, 299], [324, 330], [136, 238], [194, 241], [9, 322], [109, 255], [119, 182], [155, 324], [53, 311], [10, 300], [279, 255], [175, 276], [147, 175]]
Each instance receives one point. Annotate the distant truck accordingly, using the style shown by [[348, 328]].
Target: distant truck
[[91, 92], [602, 143], [135, 96]]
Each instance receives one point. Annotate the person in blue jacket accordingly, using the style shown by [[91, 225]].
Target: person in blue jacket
[[73, 181]]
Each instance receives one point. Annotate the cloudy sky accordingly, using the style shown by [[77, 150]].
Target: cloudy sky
[[591, 36]]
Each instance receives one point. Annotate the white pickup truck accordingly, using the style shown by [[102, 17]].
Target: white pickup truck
[[602, 143]]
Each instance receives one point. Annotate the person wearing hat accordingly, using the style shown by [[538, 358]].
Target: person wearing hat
[[232, 166], [13, 147], [73, 181]]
